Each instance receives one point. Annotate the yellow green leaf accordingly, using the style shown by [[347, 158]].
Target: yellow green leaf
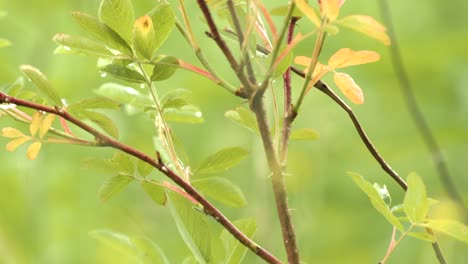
[[347, 57], [144, 37], [331, 8], [35, 123], [42, 83], [15, 143], [348, 87], [33, 150], [10, 132], [366, 25], [45, 125], [308, 11]]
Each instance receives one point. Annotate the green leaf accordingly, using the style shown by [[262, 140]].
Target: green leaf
[[452, 228], [174, 94], [4, 43], [102, 121], [123, 73], [15, 88], [235, 251], [221, 190], [376, 200], [92, 103], [283, 11], [155, 191], [119, 242], [284, 64], [185, 114], [81, 44], [163, 21], [164, 68], [416, 204], [192, 227], [102, 32], [113, 186], [119, 16], [149, 252], [244, 118], [42, 83], [123, 94], [222, 160], [176, 103], [423, 236], [144, 169], [144, 36], [122, 163], [305, 134]]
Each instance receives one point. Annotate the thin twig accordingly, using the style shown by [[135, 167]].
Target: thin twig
[[416, 113], [106, 141]]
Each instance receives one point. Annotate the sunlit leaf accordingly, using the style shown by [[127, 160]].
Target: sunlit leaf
[[119, 242], [348, 87], [377, 202], [235, 251], [81, 44], [164, 68], [383, 192], [46, 124], [163, 20], [42, 83], [304, 134], [155, 191], [144, 36], [15, 143], [102, 121], [185, 114], [366, 25], [192, 227], [347, 57], [4, 43], [35, 123], [113, 186], [423, 236], [308, 11], [10, 132], [102, 32], [123, 73], [416, 204], [283, 11], [119, 16], [331, 8], [222, 160], [149, 252], [452, 228], [93, 103], [33, 150], [244, 118], [221, 190]]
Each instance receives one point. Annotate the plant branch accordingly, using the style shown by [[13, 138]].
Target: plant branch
[[416, 112], [106, 141]]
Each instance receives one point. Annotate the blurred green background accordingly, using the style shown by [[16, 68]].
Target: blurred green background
[[48, 206]]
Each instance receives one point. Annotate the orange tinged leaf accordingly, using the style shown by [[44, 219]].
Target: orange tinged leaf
[[33, 150], [10, 132], [347, 57], [45, 125], [308, 11], [348, 87], [15, 143], [35, 123], [331, 8], [366, 25]]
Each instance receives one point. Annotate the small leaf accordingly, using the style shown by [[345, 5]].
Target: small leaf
[[4, 43], [46, 124], [244, 118], [222, 160], [81, 44], [452, 228], [10, 132], [119, 16], [366, 25], [308, 11], [149, 252], [174, 94], [119, 242], [283, 11], [102, 32], [122, 162], [33, 150], [144, 169], [144, 36], [235, 251], [377, 201], [164, 69], [123, 73], [155, 191], [35, 122], [221, 190], [163, 20], [185, 114], [92, 103], [347, 57], [112, 186], [123, 94], [416, 204], [176, 103], [15, 143], [305, 134], [42, 83], [423, 236], [331, 8], [102, 121], [348, 87], [15, 88]]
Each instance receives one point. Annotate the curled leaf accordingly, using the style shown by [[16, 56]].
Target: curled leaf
[[33, 150], [347, 57], [348, 87], [366, 25]]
